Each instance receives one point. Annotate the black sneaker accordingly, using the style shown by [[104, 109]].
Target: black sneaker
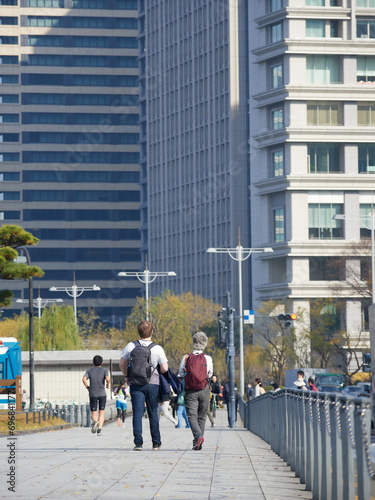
[[156, 446], [94, 426], [99, 432], [138, 447]]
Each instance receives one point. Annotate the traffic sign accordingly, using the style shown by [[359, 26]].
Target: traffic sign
[[248, 317]]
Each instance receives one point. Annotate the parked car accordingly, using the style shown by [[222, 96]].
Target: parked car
[[336, 380], [328, 388], [366, 387], [354, 390]]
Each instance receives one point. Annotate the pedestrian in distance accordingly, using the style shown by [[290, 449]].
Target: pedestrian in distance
[[164, 408], [98, 377], [139, 362], [300, 382], [275, 387], [209, 411], [121, 405], [215, 393], [311, 385], [250, 392], [262, 390], [197, 368], [181, 411], [257, 387]]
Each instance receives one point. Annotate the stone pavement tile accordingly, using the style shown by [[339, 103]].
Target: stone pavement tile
[[75, 464], [286, 494]]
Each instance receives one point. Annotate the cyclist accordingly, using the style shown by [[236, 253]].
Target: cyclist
[[216, 391]]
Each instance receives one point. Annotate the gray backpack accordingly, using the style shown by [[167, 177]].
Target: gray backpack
[[140, 368]]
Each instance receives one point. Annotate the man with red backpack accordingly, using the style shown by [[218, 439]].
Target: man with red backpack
[[197, 369]]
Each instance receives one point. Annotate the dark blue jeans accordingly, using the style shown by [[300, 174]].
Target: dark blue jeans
[[140, 395]]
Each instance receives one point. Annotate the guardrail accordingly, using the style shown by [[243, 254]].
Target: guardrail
[[324, 437], [73, 414]]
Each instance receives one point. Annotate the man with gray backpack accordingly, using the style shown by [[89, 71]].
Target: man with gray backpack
[[139, 363]]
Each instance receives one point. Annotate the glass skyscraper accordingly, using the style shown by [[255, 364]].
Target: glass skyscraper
[[69, 147]]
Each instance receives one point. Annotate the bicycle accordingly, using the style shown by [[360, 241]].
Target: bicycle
[[214, 405]]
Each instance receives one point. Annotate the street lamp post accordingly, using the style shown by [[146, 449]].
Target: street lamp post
[[75, 291], [146, 277], [39, 303], [31, 329], [240, 254]]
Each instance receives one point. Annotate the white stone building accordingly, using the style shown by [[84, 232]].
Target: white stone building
[[312, 119]]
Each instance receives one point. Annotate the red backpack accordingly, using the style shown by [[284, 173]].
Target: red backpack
[[196, 372]]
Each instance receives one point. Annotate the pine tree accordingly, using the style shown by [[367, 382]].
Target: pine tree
[[12, 237]]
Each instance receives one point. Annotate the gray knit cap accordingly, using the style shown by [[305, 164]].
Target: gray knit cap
[[200, 341]]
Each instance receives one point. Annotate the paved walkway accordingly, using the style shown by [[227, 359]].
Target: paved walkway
[[73, 463]]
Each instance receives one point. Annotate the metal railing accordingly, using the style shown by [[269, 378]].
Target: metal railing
[[324, 437], [73, 414]]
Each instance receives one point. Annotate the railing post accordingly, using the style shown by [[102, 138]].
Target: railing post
[[88, 416], [309, 445], [284, 428], [304, 445], [326, 490], [336, 448], [362, 422], [317, 438], [347, 438]]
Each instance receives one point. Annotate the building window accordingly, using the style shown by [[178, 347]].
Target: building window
[[276, 74], [45, 3], [323, 158], [365, 211], [366, 114], [321, 224], [365, 3], [324, 113], [316, 28], [9, 137], [277, 119], [334, 29], [315, 3], [9, 157], [8, 59], [10, 215], [329, 318], [366, 158], [277, 270], [365, 304], [275, 32], [365, 69], [8, 21], [366, 28], [10, 196], [278, 224], [276, 5], [277, 162], [9, 176], [326, 269], [9, 118], [9, 98], [322, 69], [8, 40], [8, 79]]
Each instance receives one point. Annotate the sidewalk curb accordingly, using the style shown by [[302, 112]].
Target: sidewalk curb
[[43, 429]]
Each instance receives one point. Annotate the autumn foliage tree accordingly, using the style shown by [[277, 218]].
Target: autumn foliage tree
[[175, 319]]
